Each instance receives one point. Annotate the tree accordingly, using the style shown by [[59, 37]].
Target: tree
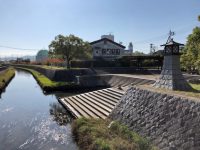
[[69, 48], [138, 53], [191, 53]]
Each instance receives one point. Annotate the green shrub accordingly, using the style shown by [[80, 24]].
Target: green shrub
[[97, 134]]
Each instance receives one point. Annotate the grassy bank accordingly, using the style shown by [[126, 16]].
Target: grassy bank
[[47, 84], [196, 86], [96, 134], [5, 77], [51, 67]]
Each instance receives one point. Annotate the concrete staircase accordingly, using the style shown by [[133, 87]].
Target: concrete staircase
[[96, 104]]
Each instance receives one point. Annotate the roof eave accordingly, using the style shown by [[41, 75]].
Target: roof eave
[[94, 42]]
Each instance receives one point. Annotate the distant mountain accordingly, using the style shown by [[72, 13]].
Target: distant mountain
[[32, 58]]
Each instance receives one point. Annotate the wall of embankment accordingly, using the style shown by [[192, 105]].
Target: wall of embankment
[[111, 80], [59, 74], [170, 122], [3, 68], [125, 70], [87, 77]]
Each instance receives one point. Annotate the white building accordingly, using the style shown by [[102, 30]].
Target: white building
[[107, 48], [129, 51]]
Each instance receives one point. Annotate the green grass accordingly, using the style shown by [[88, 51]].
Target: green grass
[[5, 77], [97, 134], [51, 67], [57, 67], [44, 81], [195, 86]]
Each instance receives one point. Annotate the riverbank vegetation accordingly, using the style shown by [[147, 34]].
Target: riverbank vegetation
[[195, 86], [41, 66], [190, 60], [97, 134], [69, 48], [47, 84], [5, 77]]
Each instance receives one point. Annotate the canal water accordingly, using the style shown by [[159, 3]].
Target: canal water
[[31, 120]]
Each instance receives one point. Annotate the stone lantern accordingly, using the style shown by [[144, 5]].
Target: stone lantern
[[171, 76]]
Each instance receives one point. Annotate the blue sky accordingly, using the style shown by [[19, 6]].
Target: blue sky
[[33, 24]]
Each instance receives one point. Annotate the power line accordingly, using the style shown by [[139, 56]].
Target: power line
[[164, 36], [18, 48], [157, 38]]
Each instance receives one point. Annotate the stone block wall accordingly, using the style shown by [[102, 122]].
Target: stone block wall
[[60, 74], [111, 80], [3, 68], [170, 122]]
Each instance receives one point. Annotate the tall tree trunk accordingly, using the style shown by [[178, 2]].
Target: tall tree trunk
[[68, 64]]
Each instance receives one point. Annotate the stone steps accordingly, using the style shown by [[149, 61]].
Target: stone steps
[[96, 104], [104, 101]]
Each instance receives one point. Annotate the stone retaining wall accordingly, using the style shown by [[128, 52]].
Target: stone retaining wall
[[125, 70], [170, 122], [3, 68], [111, 80], [60, 74]]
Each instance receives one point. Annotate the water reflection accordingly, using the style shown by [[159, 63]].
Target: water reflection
[[23, 73], [30, 120]]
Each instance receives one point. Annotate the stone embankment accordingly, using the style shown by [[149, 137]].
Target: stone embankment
[[170, 122], [59, 74], [3, 68], [125, 70], [112, 80], [87, 78]]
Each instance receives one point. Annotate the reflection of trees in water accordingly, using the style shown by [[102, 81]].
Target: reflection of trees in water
[[23, 72], [60, 115], [2, 91]]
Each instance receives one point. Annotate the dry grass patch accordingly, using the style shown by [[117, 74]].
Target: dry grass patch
[[195, 94]]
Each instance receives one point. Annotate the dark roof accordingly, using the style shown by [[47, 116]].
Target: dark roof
[[172, 42], [158, 52], [94, 42]]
